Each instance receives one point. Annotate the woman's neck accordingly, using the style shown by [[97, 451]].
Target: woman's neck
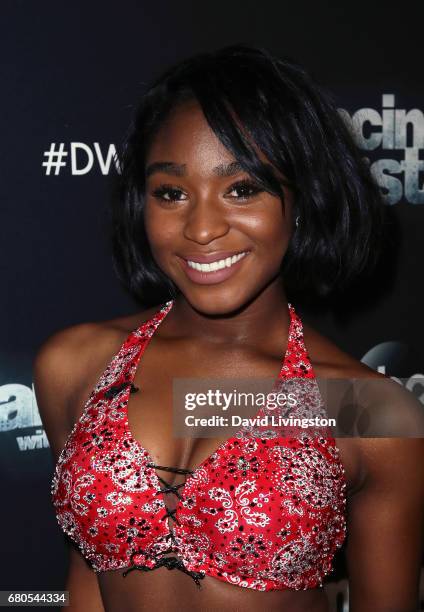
[[264, 315]]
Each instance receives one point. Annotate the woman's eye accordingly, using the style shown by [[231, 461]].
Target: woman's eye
[[168, 194], [245, 189]]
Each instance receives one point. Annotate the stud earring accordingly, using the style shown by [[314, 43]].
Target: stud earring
[[297, 220]]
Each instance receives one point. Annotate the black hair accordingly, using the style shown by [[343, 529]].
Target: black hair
[[246, 94]]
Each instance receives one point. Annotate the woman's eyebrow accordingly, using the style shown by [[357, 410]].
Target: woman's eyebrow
[[180, 169]]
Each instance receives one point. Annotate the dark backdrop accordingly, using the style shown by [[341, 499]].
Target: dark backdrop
[[71, 74]]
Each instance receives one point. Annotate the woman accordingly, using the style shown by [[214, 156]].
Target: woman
[[241, 188]]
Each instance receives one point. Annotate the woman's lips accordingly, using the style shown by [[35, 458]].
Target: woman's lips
[[214, 277]]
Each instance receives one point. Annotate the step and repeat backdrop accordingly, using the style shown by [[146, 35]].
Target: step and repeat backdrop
[[72, 75]]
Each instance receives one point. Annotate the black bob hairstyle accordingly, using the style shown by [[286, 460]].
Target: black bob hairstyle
[[296, 125]]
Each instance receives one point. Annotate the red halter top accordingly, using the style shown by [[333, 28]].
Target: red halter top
[[267, 514]]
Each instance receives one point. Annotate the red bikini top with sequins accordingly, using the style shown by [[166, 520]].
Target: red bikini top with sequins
[[262, 513]]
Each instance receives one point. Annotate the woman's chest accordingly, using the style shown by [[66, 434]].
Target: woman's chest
[[248, 495]]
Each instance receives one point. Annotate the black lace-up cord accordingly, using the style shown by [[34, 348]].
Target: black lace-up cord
[[172, 536], [170, 488], [170, 513], [168, 562], [170, 469]]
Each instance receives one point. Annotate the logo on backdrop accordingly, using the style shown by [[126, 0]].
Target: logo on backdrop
[[19, 414], [393, 137], [396, 132], [396, 360], [80, 158]]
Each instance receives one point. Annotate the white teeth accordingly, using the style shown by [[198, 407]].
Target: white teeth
[[216, 265]]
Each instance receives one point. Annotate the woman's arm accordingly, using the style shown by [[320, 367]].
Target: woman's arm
[[83, 586], [58, 368], [385, 526]]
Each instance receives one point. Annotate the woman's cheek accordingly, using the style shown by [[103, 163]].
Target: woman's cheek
[[157, 229]]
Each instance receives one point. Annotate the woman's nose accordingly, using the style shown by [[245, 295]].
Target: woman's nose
[[205, 221]]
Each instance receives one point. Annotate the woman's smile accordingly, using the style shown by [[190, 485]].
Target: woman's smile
[[212, 268]]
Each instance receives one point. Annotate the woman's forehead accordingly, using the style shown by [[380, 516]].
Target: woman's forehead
[[185, 141]]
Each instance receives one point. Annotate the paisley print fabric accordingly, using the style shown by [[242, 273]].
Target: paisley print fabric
[[266, 512]]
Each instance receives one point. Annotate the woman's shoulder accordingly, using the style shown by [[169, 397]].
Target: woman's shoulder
[[70, 361], [88, 338], [77, 348], [330, 361], [389, 404], [392, 414]]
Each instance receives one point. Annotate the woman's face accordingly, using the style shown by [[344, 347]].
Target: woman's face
[[202, 207]]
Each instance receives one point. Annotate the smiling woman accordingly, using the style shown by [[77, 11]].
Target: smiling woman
[[284, 137], [241, 186]]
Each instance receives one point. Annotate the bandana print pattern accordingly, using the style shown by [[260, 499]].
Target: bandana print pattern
[[266, 513]]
